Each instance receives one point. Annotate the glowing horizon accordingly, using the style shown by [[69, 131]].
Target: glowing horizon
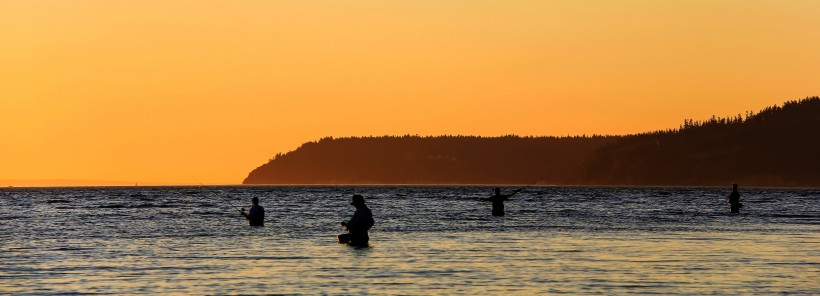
[[190, 92]]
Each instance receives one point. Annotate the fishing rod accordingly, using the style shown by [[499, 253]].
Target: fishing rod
[[530, 184], [225, 200], [230, 204], [519, 189], [533, 183]]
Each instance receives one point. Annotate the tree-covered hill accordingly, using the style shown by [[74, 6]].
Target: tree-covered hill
[[779, 146], [430, 160]]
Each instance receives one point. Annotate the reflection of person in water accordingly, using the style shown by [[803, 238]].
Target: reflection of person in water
[[256, 214], [498, 201], [358, 225], [734, 199]]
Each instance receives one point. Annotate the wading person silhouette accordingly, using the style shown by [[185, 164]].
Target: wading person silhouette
[[256, 214], [498, 201], [358, 225], [734, 199]]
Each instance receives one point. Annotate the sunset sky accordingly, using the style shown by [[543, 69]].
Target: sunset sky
[[199, 91]]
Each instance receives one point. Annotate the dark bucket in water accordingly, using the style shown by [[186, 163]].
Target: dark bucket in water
[[344, 238], [347, 238]]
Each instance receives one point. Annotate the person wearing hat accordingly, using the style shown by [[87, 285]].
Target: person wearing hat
[[358, 225], [256, 214]]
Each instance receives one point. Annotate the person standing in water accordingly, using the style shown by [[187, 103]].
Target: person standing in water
[[358, 225], [498, 201], [256, 214], [734, 199]]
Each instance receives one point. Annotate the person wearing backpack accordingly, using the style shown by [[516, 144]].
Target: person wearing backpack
[[358, 225]]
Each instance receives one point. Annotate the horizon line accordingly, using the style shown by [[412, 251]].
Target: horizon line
[[63, 182]]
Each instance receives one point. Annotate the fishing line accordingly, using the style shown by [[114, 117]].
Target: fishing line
[[530, 184], [230, 204], [202, 186]]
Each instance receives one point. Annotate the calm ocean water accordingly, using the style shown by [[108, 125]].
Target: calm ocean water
[[427, 240]]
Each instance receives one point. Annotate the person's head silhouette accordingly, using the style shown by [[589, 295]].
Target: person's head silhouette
[[497, 191], [255, 201], [358, 201]]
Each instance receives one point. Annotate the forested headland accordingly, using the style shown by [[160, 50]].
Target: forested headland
[[777, 146], [430, 160]]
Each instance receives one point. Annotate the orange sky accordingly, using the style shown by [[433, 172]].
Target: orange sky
[[183, 92]]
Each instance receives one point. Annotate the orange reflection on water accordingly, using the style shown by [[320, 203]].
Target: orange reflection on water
[[614, 262]]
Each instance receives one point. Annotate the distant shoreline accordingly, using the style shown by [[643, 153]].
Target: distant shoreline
[[769, 148]]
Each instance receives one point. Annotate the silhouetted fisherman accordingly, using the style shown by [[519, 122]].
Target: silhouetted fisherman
[[358, 225], [734, 199], [256, 215], [498, 201]]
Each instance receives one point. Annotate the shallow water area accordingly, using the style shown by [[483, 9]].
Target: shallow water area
[[427, 240]]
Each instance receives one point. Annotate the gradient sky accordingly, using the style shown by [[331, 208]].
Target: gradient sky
[[183, 92]]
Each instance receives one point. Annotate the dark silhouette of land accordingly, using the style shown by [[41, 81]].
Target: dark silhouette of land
[[430, 160], [777, 146]]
